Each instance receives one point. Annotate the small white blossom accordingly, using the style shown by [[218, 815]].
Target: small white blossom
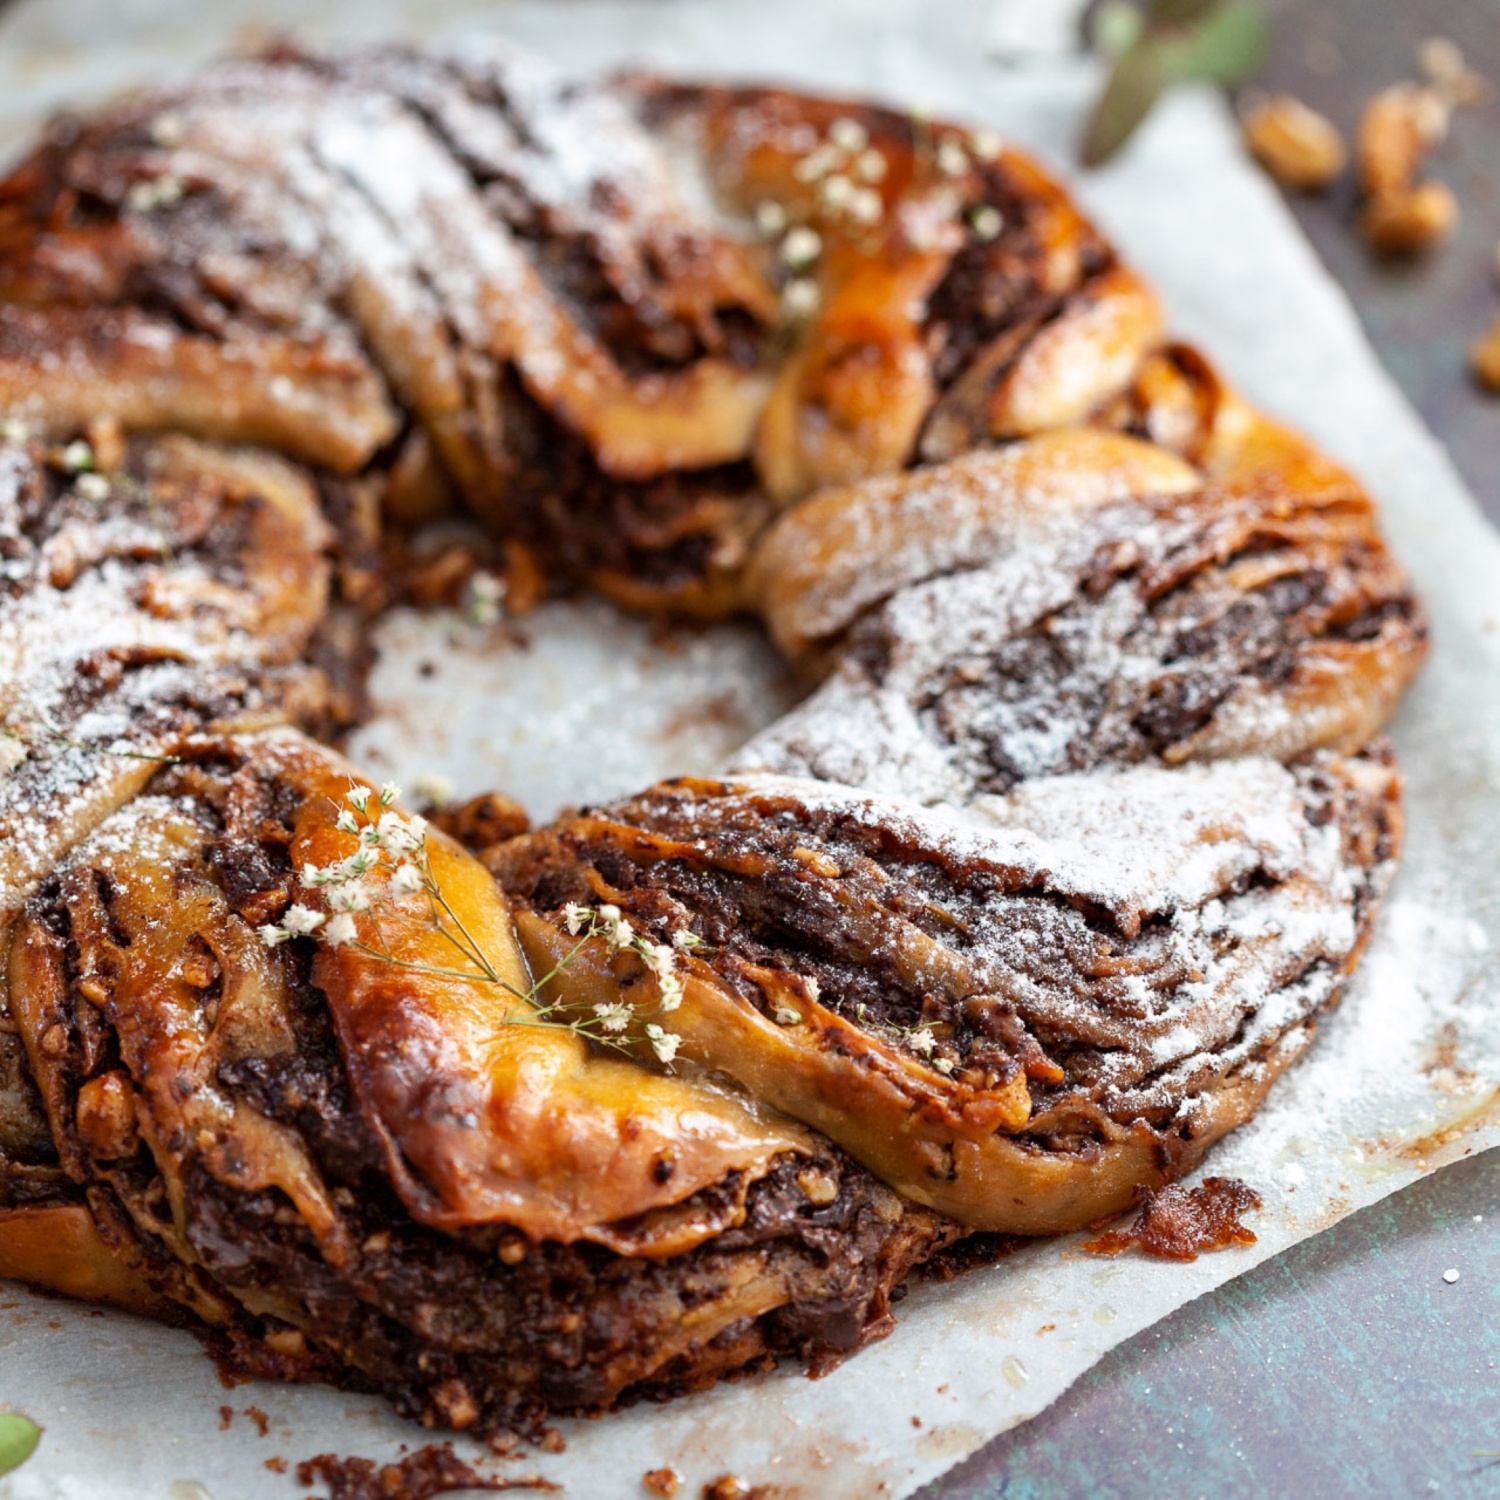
[[658, 957], [615, 927], [922, 1042], [871, 166], [358, 797], [800, 297], [341, 930], [77, 456], [483, 598], [92, 487], [407, 880], [357, 865], [575, 918], [353, 895], [944, 1065], [817, 163], [614, 1017], [801, 247], [398, 835], [663, 1043], [167, 130], [986, 144], [162, 192], [389, 793], [346, 822], [786, 1016], [686, 940], [14, 430], [952, 159], [866, 207], [836, 191], [848, 135], [432, 789], [13, 753], [987, 222], [301, 920], [670, 996], [770, 217]]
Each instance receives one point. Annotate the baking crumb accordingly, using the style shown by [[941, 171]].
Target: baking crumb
[[661, 1481], [1409, 221], [1299, 147], [433, 1470], [261, 1420], [727, 1487], [276, 1465], [226, 1416], [1484, 356], [1451, 1275]]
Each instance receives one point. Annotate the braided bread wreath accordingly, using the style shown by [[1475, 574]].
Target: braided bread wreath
[[1078, 832]]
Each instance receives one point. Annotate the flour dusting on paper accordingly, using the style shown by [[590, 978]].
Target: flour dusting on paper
[[1405, 1074]]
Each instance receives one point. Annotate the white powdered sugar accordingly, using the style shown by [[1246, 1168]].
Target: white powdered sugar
[[1365, 1112], [1233, 898]]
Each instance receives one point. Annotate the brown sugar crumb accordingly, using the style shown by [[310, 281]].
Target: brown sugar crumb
[[226, 1416], [661, 1481], [261, 1420], [433, 1470], [1180, 1223]]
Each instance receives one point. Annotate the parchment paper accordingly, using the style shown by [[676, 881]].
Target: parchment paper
[[1407, 1073]]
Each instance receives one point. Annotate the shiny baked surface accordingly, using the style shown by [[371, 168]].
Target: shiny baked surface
[[1078, 831]]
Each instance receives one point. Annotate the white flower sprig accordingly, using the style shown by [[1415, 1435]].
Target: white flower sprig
[[38, 728], [920, 1039], [660, 959], [391, 872]]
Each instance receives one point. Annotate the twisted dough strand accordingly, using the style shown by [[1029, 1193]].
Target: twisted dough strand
[[1079, 831]]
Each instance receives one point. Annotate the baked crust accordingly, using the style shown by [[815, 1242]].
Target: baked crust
[[1081, 828]]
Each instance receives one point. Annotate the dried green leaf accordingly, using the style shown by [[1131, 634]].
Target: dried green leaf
[[1134, 86], [18, 1439], [1117, 28], [1225, 46]]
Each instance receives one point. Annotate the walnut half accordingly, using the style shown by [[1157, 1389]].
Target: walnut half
[[1299, 147]]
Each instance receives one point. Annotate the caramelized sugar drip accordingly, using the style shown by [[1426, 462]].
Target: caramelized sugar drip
[[1180, 1223]]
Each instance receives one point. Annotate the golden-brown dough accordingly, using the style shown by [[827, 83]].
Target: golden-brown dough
[[1031, 900]]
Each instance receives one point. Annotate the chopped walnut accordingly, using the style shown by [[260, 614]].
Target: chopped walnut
[[1400, 125], [1409, 221], [106, 1116], [1443, 66], [819, 1187], [1484, 356], [1299, 147]]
